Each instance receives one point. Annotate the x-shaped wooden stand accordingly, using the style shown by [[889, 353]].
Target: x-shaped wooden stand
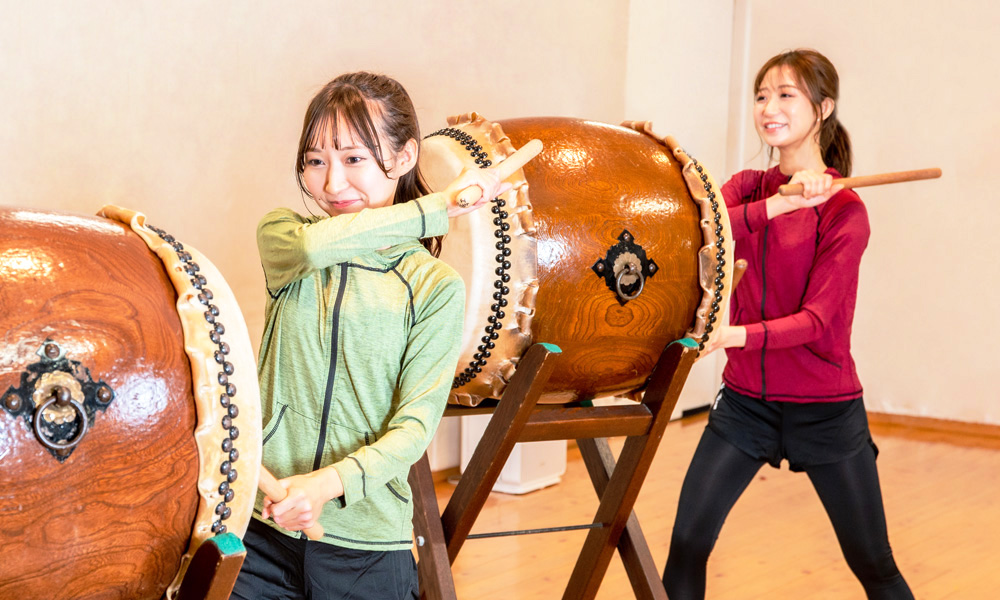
[[518, 418]]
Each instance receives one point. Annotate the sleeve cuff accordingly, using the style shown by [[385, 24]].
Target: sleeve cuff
[[756, 334], [435, 214], [756, 215], [352, 476]]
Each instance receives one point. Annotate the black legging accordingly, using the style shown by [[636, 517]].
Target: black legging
[[849, 490]]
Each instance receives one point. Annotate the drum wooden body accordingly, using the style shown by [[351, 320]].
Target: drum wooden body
[[594, 187], [104, 500]]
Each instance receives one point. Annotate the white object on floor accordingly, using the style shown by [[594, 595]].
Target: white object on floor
[[531, 465]]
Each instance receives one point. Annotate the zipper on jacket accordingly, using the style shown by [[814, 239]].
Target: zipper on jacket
[[328, 396], [763, 300]]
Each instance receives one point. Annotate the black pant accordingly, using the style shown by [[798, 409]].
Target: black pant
[[279, 567], [849, 491]]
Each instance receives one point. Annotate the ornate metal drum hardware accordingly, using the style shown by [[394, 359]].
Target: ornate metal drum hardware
[[625, 268], [628, 271], [58, 399], [51, 411]]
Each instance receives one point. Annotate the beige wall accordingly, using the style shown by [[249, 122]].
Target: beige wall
[[919, 88], [190, 111]]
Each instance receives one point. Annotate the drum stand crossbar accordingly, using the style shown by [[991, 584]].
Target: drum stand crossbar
[[518, 418]]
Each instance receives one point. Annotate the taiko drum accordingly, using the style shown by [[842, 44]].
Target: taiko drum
[[114, 412], [612, 244]]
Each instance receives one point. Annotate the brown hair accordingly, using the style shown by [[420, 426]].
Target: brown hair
[[352, 98], [817, 76]]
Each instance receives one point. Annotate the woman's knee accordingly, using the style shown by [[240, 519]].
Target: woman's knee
[[872, 565], [692, 541]]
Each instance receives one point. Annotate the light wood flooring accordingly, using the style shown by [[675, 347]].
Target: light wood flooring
[[940, 490]]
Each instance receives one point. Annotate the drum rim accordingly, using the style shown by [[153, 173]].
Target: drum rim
[[198, 306], [519, 310]]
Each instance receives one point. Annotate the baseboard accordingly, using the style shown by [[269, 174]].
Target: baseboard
[[697, 410], [960, 428], [444, 474]]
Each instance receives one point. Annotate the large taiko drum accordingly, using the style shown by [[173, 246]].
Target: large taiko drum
[[612, 244], [129, 407]]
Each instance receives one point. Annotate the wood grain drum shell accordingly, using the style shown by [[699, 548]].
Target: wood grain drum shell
[[117, 514], [591, 184]]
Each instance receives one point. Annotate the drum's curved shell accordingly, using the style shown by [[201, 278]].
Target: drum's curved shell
[[590, 185], [84, 301]]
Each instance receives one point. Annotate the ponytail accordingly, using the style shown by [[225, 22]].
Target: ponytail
[[835, 144]]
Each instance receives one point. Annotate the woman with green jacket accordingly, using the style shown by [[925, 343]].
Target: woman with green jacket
[[362, 335]]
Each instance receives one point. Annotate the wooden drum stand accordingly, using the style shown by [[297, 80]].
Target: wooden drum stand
[[518, 418]]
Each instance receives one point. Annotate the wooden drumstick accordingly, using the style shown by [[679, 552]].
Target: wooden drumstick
[[275, 491], [739, 268], [794, 189], [504, 168]]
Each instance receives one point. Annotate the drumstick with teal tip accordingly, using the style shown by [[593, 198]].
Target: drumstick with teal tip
[[504, 168]]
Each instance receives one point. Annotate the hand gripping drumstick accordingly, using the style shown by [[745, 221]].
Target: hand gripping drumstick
[[504, 168], [275, 491], [794, 189]]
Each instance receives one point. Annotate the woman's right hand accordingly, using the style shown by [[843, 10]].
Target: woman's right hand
[[489, 184], [818, 187]]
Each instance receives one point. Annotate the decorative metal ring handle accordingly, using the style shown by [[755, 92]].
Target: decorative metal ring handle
[[62, 400], [629, 269]]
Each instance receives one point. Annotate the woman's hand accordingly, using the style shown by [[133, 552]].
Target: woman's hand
[[306, 496], [817, 187], [725, 336], [489, 184]]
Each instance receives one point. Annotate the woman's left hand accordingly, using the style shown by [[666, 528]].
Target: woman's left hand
[[725, 336], [306, 496]]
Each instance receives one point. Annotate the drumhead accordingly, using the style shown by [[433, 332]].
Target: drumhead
[[498, 265]]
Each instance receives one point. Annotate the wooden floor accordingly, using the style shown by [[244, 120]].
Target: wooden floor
[[940, 490]]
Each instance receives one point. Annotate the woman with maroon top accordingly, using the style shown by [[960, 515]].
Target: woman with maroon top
[[790, 390]]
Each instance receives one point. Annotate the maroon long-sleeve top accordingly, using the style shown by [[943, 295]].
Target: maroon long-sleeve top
[[798, 294]]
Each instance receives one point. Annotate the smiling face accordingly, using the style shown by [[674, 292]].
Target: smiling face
[[783, 113], [343, 176]]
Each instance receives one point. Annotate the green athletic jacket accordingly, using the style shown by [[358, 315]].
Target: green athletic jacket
[[357, 358]]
